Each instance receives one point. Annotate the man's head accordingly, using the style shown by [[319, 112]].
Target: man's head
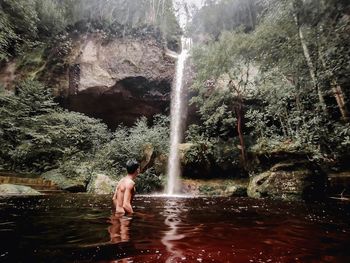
[[132, 167]]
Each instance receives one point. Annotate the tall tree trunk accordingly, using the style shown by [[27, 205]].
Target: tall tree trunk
[[239, 114], [238, 108], [340, 98], [336, 88], [306, 52]]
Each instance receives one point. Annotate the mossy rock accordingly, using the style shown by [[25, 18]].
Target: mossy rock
[[11, 189], [74, 185], [289, 181], [215, 187], [101, 184]]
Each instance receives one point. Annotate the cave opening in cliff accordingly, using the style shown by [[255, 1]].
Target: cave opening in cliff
[[124, 102]]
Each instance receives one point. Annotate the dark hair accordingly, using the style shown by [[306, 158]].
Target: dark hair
[[131, 166]]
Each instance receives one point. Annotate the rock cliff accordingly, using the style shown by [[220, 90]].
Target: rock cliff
[[119, 80], [116, 79]]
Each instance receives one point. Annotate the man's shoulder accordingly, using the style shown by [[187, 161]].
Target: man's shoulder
[[129, 182]]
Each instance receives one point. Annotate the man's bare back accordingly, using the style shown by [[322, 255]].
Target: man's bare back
[[125, 189], [123, 195]]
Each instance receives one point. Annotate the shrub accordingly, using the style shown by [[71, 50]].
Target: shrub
[[36, 134], [149, 182], [129, 143]]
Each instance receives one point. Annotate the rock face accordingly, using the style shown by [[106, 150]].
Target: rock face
[[215, 187], [289, 181], [101, 184], [148, 153], [11, 189], [7, 74], [118, 79]]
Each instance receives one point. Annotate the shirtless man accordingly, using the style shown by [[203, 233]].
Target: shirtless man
[[125, 189]]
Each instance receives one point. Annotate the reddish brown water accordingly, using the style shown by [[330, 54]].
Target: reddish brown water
[[81, 228]]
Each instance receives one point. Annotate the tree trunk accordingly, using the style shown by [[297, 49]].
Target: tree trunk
[[309, 62], [238, 110], [336, 88], [340, 98]]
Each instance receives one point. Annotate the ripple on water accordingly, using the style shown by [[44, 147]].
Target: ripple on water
[[170, 229]]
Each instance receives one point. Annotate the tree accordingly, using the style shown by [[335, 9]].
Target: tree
[[217, 17], [18, 24], [296, 62], [51, 17], [228, 64], [36, 134]]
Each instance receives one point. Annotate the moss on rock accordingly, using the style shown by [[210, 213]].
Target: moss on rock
[[288, 181], [215, 187], [101, 184], [11, 189]]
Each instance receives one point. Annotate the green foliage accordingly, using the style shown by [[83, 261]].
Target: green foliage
[[124, 17], [219, 16], [130, 143], [224, 74], [26, 23], [7, 36], [209, 151], [207, 189], [270, 68], [18, 24], [52, 17], [149, 182], [36, 134]]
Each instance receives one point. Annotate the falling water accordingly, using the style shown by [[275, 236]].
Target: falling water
[[185, 9], [176, 125]]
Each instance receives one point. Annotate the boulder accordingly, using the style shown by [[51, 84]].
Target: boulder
[[215, 187], [160, 164], [289, 181], [74, 185], [101, 184], [11, 189], [236, 190], [146, 161]]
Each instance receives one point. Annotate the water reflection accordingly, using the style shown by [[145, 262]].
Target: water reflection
[[74, 228], [172, 211], [119, 228]]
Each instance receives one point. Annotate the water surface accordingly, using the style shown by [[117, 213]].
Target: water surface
[[83, 228]]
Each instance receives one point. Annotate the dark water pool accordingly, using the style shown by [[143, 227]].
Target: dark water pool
[[82, 228]]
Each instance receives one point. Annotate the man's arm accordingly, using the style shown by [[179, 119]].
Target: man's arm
[[127, 197]]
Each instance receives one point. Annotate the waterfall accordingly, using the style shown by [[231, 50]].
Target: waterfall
[[176, 114], [185, 9]]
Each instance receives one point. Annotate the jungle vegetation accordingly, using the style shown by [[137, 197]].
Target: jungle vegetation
[[270, 76], [25, 24], [36, 133], [275, 77]]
